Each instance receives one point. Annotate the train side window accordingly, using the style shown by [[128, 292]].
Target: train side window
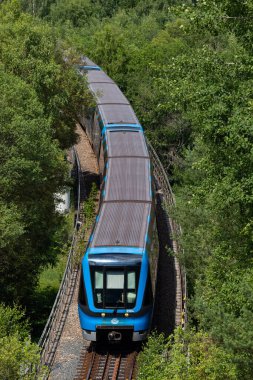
[[98, 289], [81, 297], [148, 297], [131, 288]]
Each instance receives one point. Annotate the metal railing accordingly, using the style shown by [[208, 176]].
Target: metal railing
[[175, 231], [53, 329]]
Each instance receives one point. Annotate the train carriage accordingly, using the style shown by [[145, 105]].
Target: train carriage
[[119, 266]]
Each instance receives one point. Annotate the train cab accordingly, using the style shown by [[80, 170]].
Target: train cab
[[115, 297]]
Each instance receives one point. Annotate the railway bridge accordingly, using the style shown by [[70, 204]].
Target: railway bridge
[[63, 349]]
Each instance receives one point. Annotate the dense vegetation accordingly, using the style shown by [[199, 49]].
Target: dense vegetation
[[18, 356], [41, 98], [187, 69], [41, 95]]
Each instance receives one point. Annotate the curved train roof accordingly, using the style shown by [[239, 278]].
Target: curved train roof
[[128, 179], [129, 143], [117, 114], [122, 224], [120, 112], [108, 93], [98, 76], [124, 214]]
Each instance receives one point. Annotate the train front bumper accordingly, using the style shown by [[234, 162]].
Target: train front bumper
[[138, 327], [137, 336]]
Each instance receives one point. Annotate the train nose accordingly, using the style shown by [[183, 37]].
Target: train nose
[[114, 336]]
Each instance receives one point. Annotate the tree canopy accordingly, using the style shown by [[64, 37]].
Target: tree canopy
[[42, 95], [186, 67], [19, 357]]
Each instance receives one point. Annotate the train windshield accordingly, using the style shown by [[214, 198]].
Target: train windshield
[[115, 287]]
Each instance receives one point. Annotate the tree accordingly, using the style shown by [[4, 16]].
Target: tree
[[42, 95], [185, 356], [37, 7], [19, 358], [75, 12], [30, 174], [33, 51], [210, 87]]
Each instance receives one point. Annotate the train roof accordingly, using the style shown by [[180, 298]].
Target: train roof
[[98, 76], [128, 179], [122, 224], [121, 111], [108, 93], [123, 220], [126, 143], [117, 114]]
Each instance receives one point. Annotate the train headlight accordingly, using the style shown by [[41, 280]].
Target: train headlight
[[126, 315], [102, 314]]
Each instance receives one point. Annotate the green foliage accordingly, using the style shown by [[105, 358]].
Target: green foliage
[[110, 47], [129, 47], [188, 72], [37, 7], [90, 204], [29, 176], [12, 322], [210, 87], [19, 357], [79, 12], [152, 360], [41, 97], [75, 12], [185, 356], [43, 297], [32, 50], [18, 360], [228, 313], [41, 301], [88, 211]]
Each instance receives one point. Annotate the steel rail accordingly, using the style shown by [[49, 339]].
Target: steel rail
[[132, 367], [91, 365], [53, 329], [175, 231], [107, 365]]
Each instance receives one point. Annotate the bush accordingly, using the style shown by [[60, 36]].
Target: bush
[[187, 355]]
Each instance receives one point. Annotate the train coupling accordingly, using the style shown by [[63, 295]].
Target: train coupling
[[114, 336]]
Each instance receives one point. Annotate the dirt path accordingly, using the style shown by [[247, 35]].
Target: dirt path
[[86, 155]]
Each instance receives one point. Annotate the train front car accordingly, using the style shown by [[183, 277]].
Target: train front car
[[113, 301], [119, 265]]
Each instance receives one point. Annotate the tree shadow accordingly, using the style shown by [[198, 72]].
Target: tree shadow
[[165, 301], [39, 308]]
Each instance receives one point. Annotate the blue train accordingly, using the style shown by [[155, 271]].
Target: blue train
[[118, 272]]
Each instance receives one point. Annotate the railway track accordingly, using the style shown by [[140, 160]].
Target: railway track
[[101, 363]]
